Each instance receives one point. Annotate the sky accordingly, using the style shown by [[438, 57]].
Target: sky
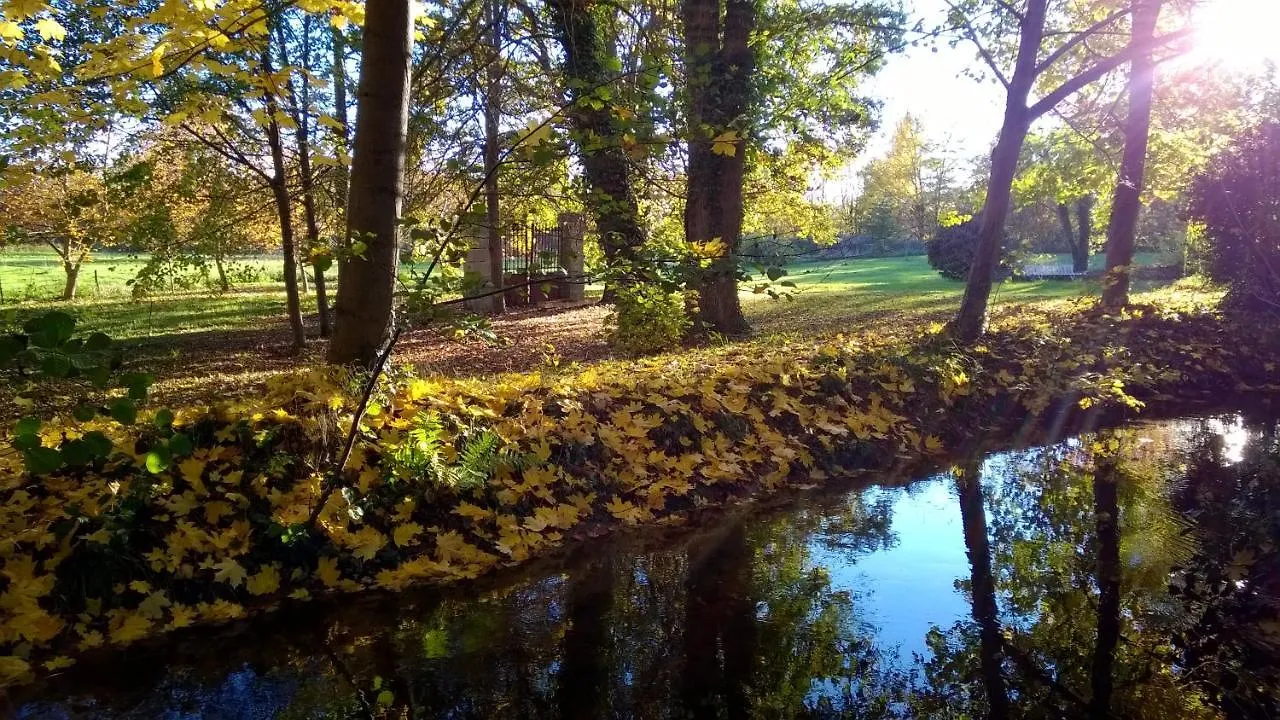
[[928, 81], [963, 114]]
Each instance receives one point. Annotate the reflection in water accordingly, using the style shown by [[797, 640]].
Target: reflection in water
[[1132, 573]]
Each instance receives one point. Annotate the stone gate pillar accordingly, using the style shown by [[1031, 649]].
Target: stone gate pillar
[[476, 268], [572, 229]]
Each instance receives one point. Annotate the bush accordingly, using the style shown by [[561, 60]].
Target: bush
[[647, 319], [951, 250], [1237, 200]]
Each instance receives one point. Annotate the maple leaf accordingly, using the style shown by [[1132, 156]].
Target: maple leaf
[[58, 663], [181, 616], [13, 669], [153, 605], [230, 572], [623, 510], [265, 581], [726, 143], [475, 513], [23, 9], [50, 29], [404, 535], [130, 628], [327, 571], [933, 444], [192, 470]]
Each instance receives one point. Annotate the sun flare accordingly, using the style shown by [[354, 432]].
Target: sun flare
[[1238, 34]]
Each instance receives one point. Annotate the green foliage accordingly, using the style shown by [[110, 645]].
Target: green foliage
[[47, 352], [1237, 200], [647, 319]]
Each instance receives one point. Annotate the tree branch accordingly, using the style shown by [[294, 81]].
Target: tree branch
[[1079, 37], [1098, 70]]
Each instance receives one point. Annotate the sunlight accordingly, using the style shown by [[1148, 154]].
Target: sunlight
[[1236, 34]]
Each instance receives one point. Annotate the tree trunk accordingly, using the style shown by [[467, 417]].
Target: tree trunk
[[492, 113], [718, 95], [223, 283], [1084, 225], [284, 211], [1068, 231], [983, 590], [597, 133], [1106, 511], [366, 285], [340, 175], [73, 275], [301, 102], [1127, 204], [971, 321]]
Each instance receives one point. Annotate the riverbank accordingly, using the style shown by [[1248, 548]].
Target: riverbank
[[454, 479]]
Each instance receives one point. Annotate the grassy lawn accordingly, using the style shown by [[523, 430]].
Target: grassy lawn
[[206, 344], [843, 295]]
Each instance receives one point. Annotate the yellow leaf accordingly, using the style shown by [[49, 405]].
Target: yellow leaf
[[157, 60], [267, 580], [130, 629], [623, 510], [182, 617], [192, 470], [328, 573], [13, 669], [933, 444], [58, 663], [726, 143], [10, 30], [49, 29], [230, 572], [153, 605], [23, 9], [404, 534]]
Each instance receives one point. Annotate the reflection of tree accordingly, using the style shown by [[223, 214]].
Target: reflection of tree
[[719, 628], [1230, 589], [1083, 539], [982, 590], [1106, 512], [584, 674]]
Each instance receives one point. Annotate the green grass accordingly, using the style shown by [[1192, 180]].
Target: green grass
[[830, 295]]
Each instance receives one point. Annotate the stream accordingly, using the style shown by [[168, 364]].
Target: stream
[[1125, 573]]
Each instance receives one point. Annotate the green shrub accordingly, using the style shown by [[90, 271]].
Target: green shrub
[[951, 250], [647, 319]]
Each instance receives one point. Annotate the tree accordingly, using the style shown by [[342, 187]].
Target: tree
[[366, 280], [912, 180], [598, 127], [1237, 200], [1057, 57], [278, 182], [1123, 226], [718, 66], [72, 211]]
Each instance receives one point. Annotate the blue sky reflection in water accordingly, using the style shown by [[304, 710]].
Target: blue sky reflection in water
[[854, 605]]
